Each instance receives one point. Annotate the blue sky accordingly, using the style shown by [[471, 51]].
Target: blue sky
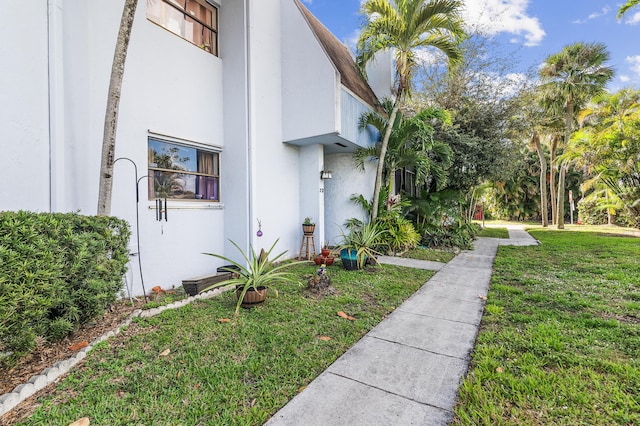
[[533, 29]]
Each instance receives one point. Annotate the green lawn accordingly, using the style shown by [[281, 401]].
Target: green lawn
[[494, 232], [560, 338], [186, 367]]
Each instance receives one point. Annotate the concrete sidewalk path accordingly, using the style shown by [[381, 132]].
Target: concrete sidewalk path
[[406, 371]]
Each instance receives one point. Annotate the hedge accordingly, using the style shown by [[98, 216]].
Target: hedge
[[57, 271]]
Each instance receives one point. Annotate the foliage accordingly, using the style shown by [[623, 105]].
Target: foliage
[[406, 28], [365, 240], [608, 148], [569, 79], [237, 373], [458, 234], [399, 234], [307, 221], [411, 145], [57, 271], [626, 6], [258, 271], [559, 340], [480, 94]]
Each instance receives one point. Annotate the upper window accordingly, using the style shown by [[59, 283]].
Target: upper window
[[183, 172], [194, 20]]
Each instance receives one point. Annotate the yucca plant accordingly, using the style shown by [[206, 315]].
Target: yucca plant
[[258, 271]]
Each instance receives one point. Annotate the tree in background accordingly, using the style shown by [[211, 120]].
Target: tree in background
[[608, 148], [480, 94], [569, 79], [406, 27]]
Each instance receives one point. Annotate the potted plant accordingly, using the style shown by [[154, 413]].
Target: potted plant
[[253, 279], [325, 251], [360, 245], [308, 227]]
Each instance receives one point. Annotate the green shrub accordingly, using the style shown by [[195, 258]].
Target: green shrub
[[57, 271], [400, 234], [459, 234]]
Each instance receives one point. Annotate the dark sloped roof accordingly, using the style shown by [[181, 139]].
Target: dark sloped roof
[[350, 76]]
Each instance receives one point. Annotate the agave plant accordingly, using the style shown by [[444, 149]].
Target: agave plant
[[258, 271], [364, 240]]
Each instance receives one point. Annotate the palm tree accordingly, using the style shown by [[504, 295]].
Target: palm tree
[[625, 7], [569, 79], [410, 145], [407, 26], [113, 102], [608, 146]]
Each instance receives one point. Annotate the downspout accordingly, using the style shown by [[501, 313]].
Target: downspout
[[250, 148], [55, 60]]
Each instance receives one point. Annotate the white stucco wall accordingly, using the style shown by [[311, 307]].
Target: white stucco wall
[[310, 82], [275, 179], [346, 181], [380, 74], [24, 119]]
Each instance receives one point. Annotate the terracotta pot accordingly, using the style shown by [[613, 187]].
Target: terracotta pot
[[325, 252], [252, 297], [329, 260]]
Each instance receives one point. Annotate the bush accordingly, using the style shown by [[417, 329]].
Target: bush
[[400, 234], [459, 234], [57, 271]]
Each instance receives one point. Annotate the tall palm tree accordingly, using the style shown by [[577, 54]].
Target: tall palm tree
[[625, 7], [113, 102], [406, 27], [410, 144], [569, 79]]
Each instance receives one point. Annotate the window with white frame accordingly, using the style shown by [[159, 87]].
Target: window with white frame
[[183, 172], [194, 20]]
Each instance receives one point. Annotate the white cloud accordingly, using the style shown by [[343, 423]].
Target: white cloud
[[634, 19], [504, 16], [595, 15], [625, 78], [635, 63]]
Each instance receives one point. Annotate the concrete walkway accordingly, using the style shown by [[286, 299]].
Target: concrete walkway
[[406, 371]]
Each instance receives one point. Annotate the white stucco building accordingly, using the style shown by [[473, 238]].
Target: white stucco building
[[230, 109]]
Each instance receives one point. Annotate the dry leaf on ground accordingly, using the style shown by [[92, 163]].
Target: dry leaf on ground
[[78, 346], [165, 352], [325, 338], [81, 422], [345, 316], [224, 320]]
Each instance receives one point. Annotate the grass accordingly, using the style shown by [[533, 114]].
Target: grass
[[493, 232], [185, 367], [560, 338], [434, 255]]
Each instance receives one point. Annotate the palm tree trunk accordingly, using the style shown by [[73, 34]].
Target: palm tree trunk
[[383, 153], [113, 102], [544, 211], [552, 179], [560, 207]]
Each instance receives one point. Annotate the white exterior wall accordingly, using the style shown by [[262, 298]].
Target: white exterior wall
[[347, 180], [310, 81], [24, 116], [271, 83], [380, 74], [276, 181]]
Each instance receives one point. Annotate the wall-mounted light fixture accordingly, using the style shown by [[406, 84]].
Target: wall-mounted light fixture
[[325, 174]]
